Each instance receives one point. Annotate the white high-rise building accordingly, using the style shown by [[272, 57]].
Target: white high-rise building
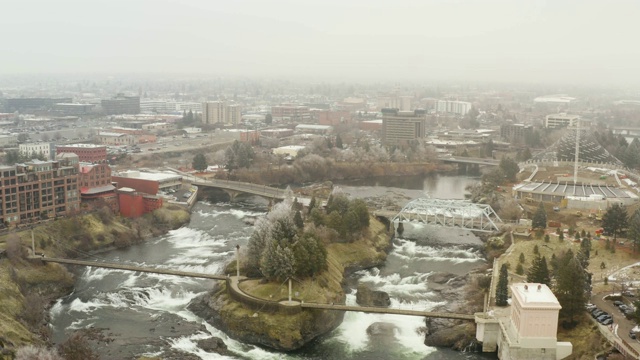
[[35, 149], [554, 121], [452, 107]]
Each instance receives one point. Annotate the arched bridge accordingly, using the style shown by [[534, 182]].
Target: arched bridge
[[449, 213]]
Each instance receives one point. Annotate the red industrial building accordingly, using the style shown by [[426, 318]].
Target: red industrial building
[[96, 190], [86, 152], [134, 204]]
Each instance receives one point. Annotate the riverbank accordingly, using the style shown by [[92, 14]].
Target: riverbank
[[283, 331], [28, 288]]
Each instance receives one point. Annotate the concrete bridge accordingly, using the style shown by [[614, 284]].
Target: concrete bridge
[[234, 188], [286, 306], [469, 160]]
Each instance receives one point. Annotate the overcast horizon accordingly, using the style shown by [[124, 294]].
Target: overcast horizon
[[589, 42]]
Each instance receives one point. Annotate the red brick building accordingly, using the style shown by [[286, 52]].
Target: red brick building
[[86, 152], [39, 190], [290, 113], [134, 204], [95, 185]]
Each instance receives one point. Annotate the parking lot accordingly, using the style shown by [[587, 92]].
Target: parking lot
[[620, 324]]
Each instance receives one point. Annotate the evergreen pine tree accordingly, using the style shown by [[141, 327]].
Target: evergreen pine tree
[[519, 269], [570, 289], [297, 219], [312, 204], [521, 258], [539, 271], [539, 220], [536, 250], [502, 290]]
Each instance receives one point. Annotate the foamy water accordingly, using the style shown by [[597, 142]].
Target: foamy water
[[130, 303]]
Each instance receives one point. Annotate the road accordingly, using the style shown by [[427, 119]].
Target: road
[[624, 325]]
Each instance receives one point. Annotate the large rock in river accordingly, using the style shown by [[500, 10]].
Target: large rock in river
[[367, 297], [284, 332]]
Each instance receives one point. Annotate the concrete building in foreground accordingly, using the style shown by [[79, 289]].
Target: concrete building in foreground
[[528, 329]]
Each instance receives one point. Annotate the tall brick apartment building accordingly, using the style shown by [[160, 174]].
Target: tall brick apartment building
[[39, 190]]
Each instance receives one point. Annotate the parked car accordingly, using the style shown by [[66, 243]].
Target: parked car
[[628, 293], [607, 321], [632, 335], [618, 303], [603, 317], [623, 307], [186, 195], [596, 313]]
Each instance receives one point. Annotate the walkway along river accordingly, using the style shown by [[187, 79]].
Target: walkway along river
[[146, 313]]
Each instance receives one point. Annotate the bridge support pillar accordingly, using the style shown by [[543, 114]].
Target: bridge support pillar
[[232, 195], [487, 332]]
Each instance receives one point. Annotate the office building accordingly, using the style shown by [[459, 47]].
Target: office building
[[290, 113], [399, 127], [148, 182], [39, 190], [73, 109], [115, 138], [86, 152], [121, 104], [515, 132], [556, 121], [26, 105]]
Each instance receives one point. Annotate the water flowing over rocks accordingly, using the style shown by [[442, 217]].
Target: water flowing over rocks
[[367, 297]]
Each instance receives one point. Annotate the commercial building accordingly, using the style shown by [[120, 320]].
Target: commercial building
[[121, 104], [402, 126], [114, 138], [370, 125], [290, 150], [96, 190], [452, 107], [219, 112], [147, 182], [290, 113], [555, 121], [36, 149], [73, 108], [25, 105], [250, 136], [590, 194], [39, 190], [86, 152], [515, 132]]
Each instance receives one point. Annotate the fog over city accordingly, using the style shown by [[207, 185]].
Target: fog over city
[[581, 42]]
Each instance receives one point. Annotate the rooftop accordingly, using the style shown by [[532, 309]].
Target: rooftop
[[535, 295], [97, 190], [81, 146], [152, 176]]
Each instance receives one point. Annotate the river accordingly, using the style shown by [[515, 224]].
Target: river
[[146, 314]]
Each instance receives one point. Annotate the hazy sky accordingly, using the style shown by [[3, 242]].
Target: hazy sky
[[516, 40]]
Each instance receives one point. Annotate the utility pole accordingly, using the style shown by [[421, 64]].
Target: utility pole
[[238, 261], [577, 158], [33, 244]]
